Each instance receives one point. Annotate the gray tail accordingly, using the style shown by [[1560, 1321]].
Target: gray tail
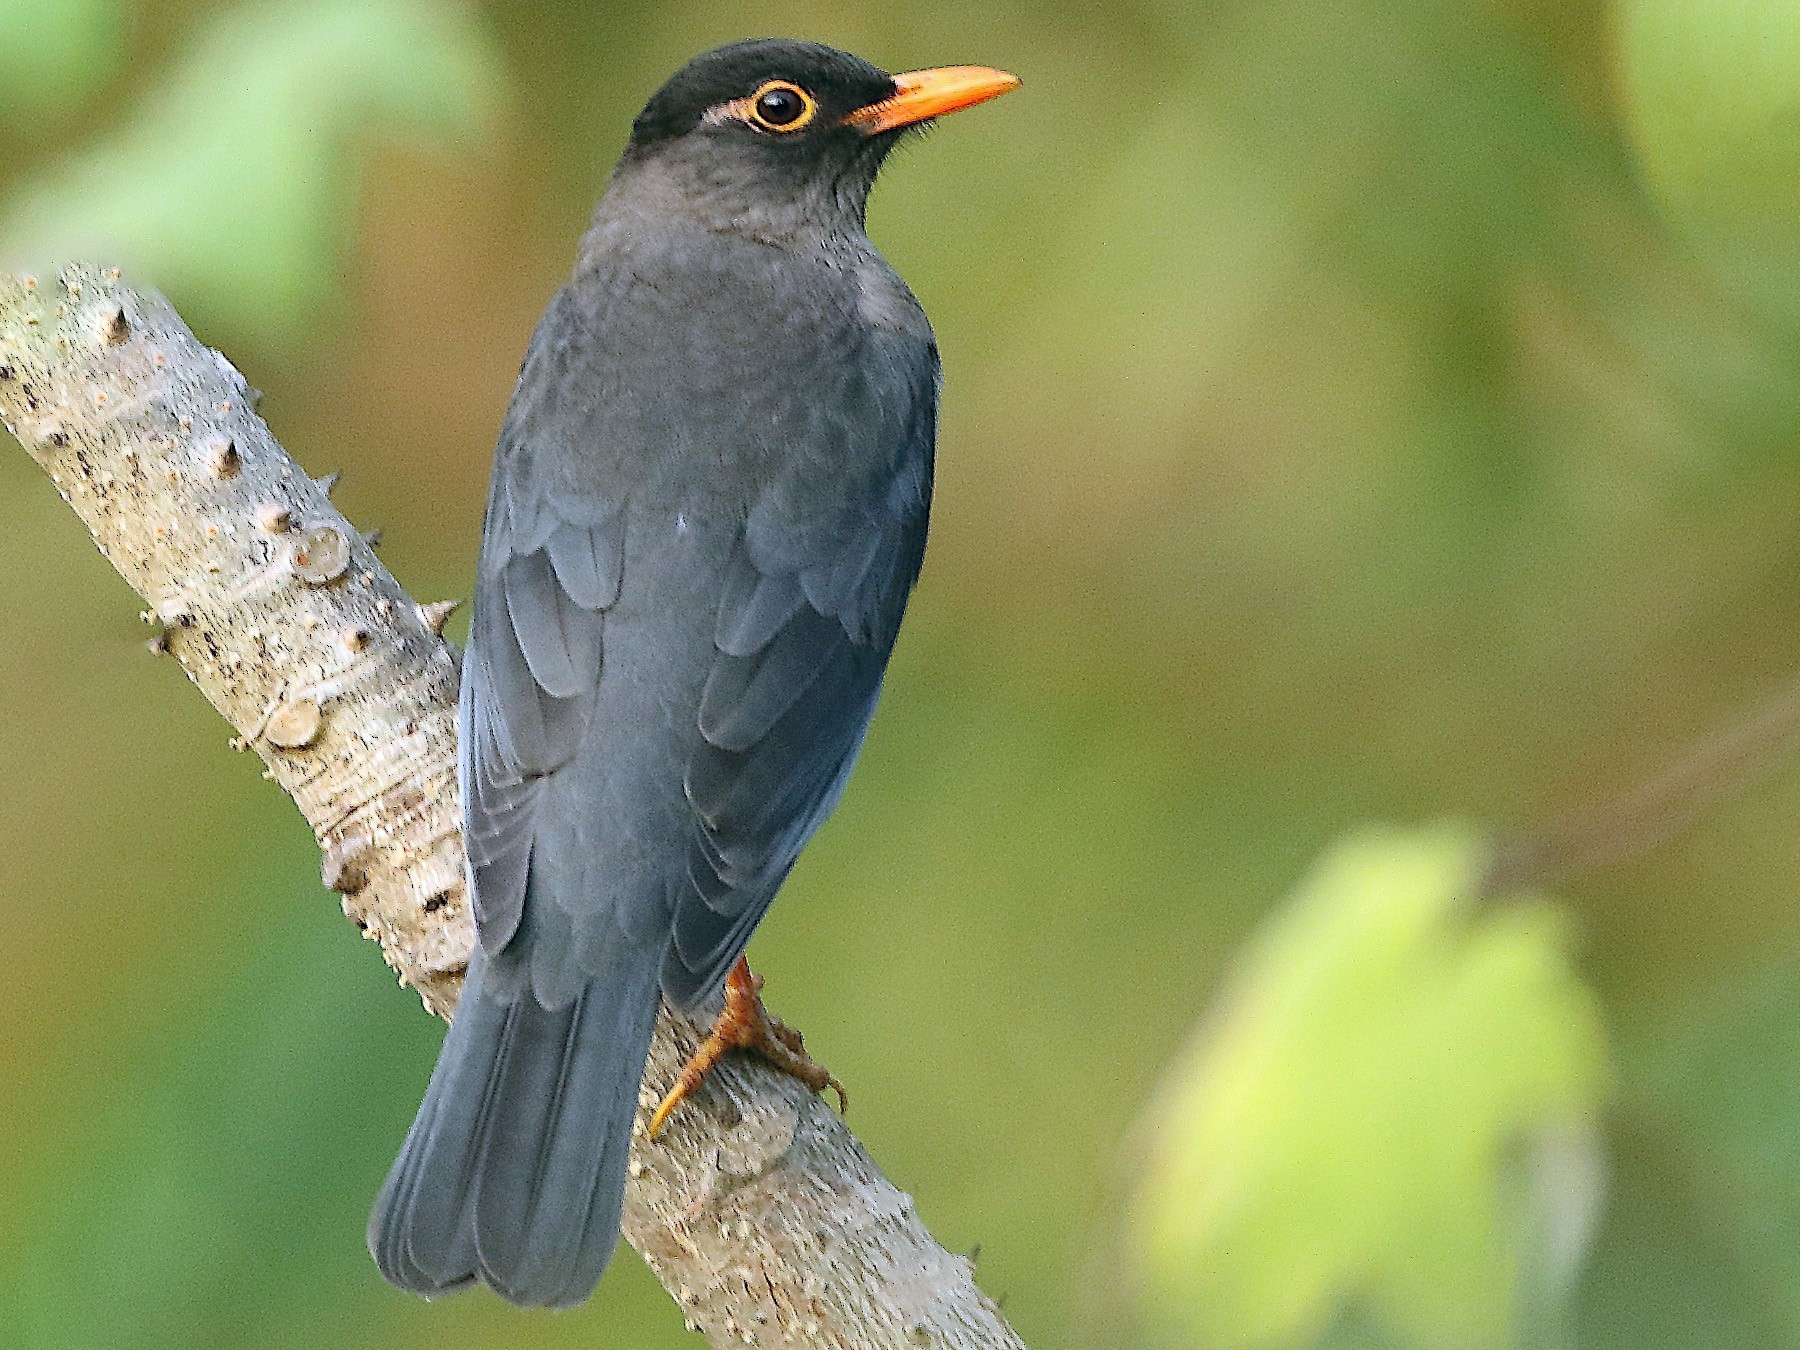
[[514, 1170]]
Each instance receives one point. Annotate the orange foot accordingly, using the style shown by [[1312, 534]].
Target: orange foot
[[747, 1025]]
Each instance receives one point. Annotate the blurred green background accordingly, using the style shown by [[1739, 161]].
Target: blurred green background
[[1378, 411]]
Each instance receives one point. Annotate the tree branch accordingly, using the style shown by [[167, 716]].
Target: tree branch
[[758, 1210]]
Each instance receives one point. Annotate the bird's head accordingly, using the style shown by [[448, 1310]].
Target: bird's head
[[759, 134]]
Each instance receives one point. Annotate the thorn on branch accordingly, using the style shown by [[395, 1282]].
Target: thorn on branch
[[223, 459], [435, 615], [344, 865]]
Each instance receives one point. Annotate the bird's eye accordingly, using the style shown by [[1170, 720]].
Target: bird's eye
[[780, 106]]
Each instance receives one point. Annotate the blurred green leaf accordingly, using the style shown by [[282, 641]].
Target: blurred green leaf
[[52, 52], [1390, 1112], [1712, 95], [233, 187]]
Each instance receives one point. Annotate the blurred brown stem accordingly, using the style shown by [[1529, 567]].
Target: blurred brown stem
[[758, 1210], [1640, 821]]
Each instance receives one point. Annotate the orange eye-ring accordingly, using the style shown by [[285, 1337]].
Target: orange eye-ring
[[780, 106]]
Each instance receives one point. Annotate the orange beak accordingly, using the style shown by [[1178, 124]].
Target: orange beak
[[922, 94]]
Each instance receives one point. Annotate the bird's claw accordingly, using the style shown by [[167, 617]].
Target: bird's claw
[[745, 1024]]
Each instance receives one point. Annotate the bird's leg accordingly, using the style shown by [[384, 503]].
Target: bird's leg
[[746, 1024]]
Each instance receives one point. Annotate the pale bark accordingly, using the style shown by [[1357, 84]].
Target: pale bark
[[759, 1211]]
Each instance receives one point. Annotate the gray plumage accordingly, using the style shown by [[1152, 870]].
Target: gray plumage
[[707, 509]]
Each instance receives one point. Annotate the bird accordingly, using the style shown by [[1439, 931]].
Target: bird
[[706, 514]]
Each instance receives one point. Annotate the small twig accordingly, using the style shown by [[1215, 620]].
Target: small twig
[[1642, 820], [759, 1211]]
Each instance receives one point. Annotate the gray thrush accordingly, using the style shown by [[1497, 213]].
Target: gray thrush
[[707, 510]]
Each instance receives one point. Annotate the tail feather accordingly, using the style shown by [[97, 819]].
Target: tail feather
[[514, 1170], [563, 1227], [417, 1232]]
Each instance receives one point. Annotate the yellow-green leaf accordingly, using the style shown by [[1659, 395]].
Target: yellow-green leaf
[[1389, 1113]]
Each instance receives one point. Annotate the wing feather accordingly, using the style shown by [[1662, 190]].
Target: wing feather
[[749, 622], [808, 615], [549, 571]]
